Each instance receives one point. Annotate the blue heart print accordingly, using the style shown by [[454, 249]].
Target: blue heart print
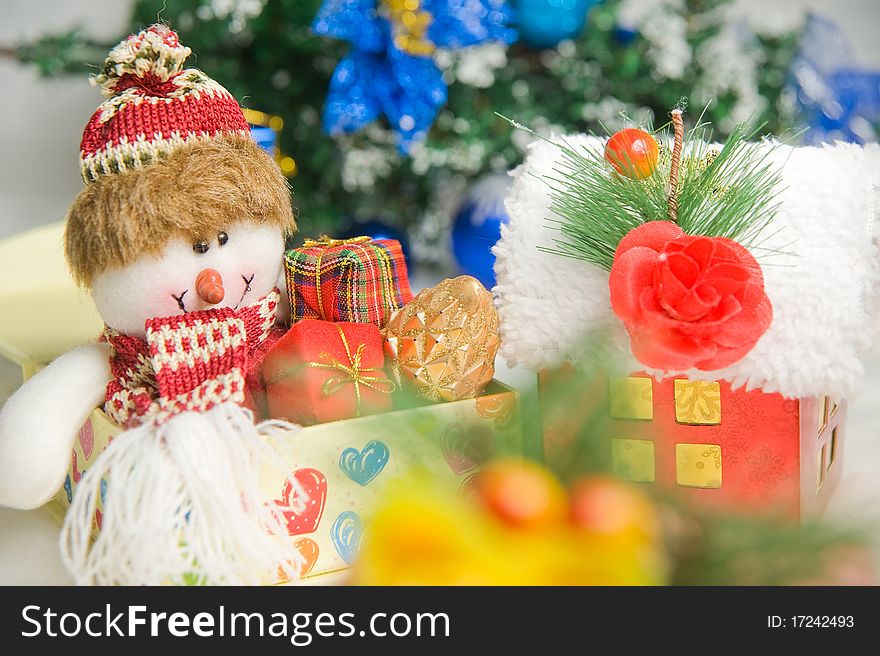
[[69, 489], [104, 492], [364, 465], [346, 535]]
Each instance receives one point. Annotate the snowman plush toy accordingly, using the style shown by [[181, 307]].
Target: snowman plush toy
[[178, 234]]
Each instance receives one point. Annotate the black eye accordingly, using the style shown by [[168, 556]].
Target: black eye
[[201, 246], [222, 238]]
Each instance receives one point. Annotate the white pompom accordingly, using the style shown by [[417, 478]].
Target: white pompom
[[153, 55]]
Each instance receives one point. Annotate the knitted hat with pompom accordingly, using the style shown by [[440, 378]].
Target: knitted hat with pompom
[[154, 106]]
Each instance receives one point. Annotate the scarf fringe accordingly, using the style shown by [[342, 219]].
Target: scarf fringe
[[183, 505]]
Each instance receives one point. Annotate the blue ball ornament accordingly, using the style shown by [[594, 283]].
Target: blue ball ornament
[[625, 35], [544, 23], [477, 226]]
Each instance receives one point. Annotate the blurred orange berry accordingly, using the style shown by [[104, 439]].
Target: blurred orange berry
[[610, 507], [522, 493]]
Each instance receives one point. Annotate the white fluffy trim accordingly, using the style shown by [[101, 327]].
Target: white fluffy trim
[[183, 505], [823, 286]]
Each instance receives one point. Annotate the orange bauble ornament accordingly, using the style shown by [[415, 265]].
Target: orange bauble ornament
[[632, 152]]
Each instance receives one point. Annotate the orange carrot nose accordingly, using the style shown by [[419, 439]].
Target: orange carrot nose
[[209, 286]]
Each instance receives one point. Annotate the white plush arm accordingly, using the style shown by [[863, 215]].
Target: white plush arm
[[40, 421]]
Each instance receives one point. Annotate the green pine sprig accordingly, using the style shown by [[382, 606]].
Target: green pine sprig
[[731, 192]]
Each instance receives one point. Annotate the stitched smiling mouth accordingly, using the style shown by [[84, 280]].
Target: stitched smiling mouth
[[180, 302], [247, 287]]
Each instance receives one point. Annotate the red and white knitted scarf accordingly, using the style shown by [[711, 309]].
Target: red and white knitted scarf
[[190, 362], [184, 493]]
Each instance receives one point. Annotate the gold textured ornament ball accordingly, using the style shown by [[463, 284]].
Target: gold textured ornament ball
[[444, 341]]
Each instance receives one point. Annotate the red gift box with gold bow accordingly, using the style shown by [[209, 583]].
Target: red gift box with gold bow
[[323, 371]]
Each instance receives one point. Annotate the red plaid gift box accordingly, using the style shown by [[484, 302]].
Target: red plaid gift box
[[359, 280], [322, 371]]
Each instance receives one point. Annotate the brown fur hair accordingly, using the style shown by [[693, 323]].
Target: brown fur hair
[[196, 192]]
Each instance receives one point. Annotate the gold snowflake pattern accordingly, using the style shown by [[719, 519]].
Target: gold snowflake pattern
[[697, 402]]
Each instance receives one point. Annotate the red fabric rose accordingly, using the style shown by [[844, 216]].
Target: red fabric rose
[[687, 302]]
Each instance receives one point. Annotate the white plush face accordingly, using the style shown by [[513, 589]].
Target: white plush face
[[248, 264]]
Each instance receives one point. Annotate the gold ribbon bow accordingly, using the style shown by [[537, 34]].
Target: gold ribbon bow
[[324, 240], [353, 372]]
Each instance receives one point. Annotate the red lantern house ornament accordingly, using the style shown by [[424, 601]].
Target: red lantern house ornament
[[741, 352], [715, 445]]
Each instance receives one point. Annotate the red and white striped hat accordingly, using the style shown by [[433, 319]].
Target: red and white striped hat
[[153, 106]]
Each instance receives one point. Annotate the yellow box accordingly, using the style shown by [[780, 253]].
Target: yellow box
[[348, 464], [31, 334]]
